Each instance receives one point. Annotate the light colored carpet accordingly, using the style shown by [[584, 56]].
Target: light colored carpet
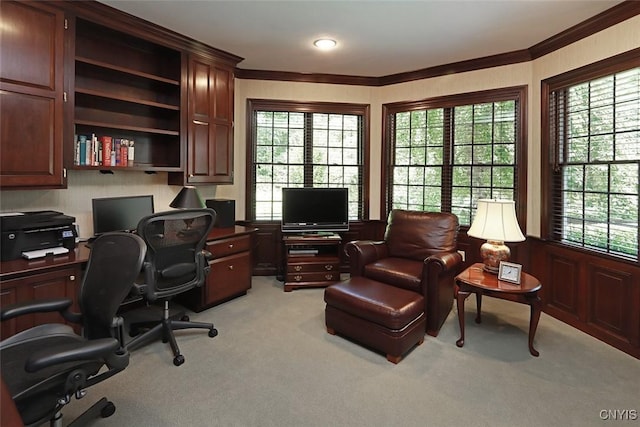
[[274, 364]]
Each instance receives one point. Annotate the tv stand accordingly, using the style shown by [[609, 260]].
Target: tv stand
[[312, 260]]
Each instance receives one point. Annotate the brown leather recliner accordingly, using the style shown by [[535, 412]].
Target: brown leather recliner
[[418, 253]]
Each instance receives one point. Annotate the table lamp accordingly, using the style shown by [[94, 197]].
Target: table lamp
[[187, 198], [496, 222]]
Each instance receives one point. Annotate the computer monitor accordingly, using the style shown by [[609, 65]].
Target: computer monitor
[[120, 213]]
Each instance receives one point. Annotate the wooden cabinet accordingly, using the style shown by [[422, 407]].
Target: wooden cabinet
[[31, 95], [84, 68], [129, 89], [54, 283], [230, 274], [210, 123], [311, 261]]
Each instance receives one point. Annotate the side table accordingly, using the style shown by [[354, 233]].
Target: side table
[[475, 280]]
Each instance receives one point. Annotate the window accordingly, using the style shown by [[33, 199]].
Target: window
[[444, 154], [305, 145], [591, 131]]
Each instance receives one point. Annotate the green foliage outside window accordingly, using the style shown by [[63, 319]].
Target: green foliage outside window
[[296, 149], [482, 141], [599, 159]]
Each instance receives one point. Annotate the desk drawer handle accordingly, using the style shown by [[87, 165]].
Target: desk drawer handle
[[230, 245], [231, 267], [297, 278], [328, 267], [328, 276], [72, 277], [298, 268]]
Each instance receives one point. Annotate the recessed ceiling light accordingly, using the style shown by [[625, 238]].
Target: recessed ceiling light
[[325, 44]]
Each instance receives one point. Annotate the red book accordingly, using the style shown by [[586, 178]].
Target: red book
[[107, 144], [124, 148]]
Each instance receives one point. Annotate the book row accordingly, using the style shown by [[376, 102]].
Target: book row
[[93, 150]]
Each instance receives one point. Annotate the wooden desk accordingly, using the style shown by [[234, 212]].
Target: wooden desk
[[49, 277], [60, 277], [475, 280], [231, 268]]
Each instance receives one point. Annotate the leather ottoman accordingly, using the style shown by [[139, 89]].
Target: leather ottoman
[[385, 318]]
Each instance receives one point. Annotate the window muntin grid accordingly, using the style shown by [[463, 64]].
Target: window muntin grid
[[446, 158], [296, 149], [596, 137]]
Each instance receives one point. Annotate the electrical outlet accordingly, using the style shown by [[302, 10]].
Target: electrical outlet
[[463, 255]]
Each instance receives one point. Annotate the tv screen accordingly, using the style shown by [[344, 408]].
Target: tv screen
[[315, 209], [120, 213]]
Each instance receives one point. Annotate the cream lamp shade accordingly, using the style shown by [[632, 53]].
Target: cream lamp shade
[[496, 222]]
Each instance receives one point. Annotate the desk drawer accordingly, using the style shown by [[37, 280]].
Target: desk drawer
[[232, 245], [313, 267], [327, 276]]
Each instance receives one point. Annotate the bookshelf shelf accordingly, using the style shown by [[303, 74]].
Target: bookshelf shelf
[[105, 127], [128, 88], [124, 70], [110, 95]]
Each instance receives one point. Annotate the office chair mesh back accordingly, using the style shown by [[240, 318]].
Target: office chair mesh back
[[115, 261], [114, 264], [175, 241]]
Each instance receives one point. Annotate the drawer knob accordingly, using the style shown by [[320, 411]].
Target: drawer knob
[[72, 277], [231, 267], [328, 267], [297, 278], [230, 245], [298, 268], [328, 276]]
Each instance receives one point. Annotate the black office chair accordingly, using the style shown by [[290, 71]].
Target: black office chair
[[176, 262], [43, 367]]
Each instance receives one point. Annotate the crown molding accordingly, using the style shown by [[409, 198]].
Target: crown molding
[[610, 17]]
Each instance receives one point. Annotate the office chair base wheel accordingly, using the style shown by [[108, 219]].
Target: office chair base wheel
[[213, 332], [178, 360], [108, 410], [185, 318]]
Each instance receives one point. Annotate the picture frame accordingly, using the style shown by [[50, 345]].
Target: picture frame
[[510, 272]]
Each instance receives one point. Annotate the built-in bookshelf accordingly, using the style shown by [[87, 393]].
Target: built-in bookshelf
[[128, 89]]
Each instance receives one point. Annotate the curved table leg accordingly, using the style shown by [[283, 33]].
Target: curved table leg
[[461, 296], [536, 308], [478, 307]]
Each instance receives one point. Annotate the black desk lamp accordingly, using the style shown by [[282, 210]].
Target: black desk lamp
[[188, 198]]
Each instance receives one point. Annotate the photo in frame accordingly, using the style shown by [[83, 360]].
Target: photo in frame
[[510, 272]]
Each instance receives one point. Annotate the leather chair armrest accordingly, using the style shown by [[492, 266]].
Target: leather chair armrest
[[39, 306], [99, 349], [363, 252], [448, 261]]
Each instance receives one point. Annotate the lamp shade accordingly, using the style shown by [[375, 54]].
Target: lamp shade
[[496, 220], [187, 198]]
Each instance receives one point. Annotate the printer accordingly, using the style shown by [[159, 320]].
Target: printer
[[31, 231]]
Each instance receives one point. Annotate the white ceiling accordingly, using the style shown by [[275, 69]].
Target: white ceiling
[[375, 37]]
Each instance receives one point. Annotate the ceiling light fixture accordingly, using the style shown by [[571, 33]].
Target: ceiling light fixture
[[325, 44]]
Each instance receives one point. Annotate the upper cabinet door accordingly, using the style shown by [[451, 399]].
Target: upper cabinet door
[[210, 122], [31, 95]]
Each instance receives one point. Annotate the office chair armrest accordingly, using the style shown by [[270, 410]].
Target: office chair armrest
[[38, 306], [100, 349], [206, 254]]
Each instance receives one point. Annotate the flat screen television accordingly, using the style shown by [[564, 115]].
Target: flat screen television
[[313, 210], [120, 213]]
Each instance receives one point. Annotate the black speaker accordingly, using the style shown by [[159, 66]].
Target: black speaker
[[226, 212]]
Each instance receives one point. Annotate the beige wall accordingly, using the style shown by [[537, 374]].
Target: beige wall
[[84, 185]]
